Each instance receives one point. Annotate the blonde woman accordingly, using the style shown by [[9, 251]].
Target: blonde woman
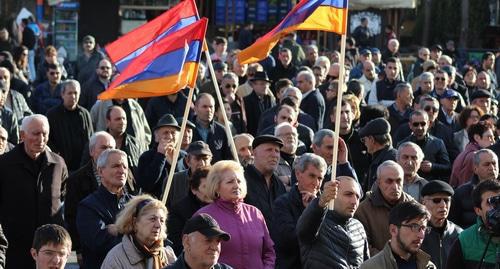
[[250, 245], [142, 223]]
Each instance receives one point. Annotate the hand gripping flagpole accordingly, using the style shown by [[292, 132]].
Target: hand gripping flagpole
[[221, 105], [177, 147], [337, 111]]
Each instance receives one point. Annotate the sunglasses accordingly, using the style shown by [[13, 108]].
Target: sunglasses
[[54, 73], [416, 124], [104, 67], [430, 108], [227, 86], [438, 200], [439, 78]]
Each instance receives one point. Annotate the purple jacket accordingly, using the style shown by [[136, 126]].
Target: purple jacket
[[250, 246], [463, 168]]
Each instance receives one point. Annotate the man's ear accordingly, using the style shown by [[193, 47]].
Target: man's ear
[[393, 230], [185, 241], [22, 135], [478, 211], [33, 253]]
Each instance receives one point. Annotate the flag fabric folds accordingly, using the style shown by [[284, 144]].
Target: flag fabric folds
[[165, 67], [125, 49], [323, 15]]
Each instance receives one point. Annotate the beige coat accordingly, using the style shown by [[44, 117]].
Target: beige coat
[[126, 255], [386, 260], [373, 212]]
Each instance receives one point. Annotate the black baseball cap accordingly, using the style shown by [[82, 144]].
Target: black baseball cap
[[206, 225]]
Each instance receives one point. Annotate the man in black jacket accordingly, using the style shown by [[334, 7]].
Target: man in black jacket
[[7, 119], [201, 239], [209, 131], [3, 248], [37, 175], [333, 238], [71, 126], [257, 102], [310, 170], [312, 102], [96, 84], [116, 123], [154, 164], [485, 166], [377, 139], [437, 243], [184, 209], [262, 183]]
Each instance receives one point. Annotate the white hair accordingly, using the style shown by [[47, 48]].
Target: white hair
[[93, 139], [28, 119]]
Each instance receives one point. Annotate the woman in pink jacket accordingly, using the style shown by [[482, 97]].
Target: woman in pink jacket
[[250, 246]]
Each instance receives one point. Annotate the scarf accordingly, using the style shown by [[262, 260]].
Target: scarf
[[154, 253]]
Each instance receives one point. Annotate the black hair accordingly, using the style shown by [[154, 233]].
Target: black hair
[[371, 112], [483, 187], [407, 211], [195, 180]]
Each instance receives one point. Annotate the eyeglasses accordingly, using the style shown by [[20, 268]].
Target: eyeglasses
[[416, 228], [104, 67], [54, 73], [227, 86], [430, 108], [439, 78], [416, 124], [439, 199]]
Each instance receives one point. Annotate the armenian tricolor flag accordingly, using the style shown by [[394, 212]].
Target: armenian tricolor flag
[[323, 15], [164, 67], [125, 49]]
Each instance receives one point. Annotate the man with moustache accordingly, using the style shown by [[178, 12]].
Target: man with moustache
[[443, 233], [333, 238], [408, 226], [485, 167], [410, 156], [373, 212]]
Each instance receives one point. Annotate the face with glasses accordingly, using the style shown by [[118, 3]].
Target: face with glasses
[[229, 86], [54, 75], [409, 235], [104, 69], [438, 205], [441, 81], [419, 125], [51, 256], [432, 110]]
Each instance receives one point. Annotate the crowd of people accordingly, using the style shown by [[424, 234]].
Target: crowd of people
[[416, 182]]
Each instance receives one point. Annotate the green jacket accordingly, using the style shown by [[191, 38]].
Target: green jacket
[[473, 242]]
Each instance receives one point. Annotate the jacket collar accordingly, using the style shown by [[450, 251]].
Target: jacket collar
[[422, 258], [234, 207], [133, 254]]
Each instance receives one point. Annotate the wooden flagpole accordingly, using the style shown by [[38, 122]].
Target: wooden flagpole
[[219, 99], [177, 147], [337, 112]]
